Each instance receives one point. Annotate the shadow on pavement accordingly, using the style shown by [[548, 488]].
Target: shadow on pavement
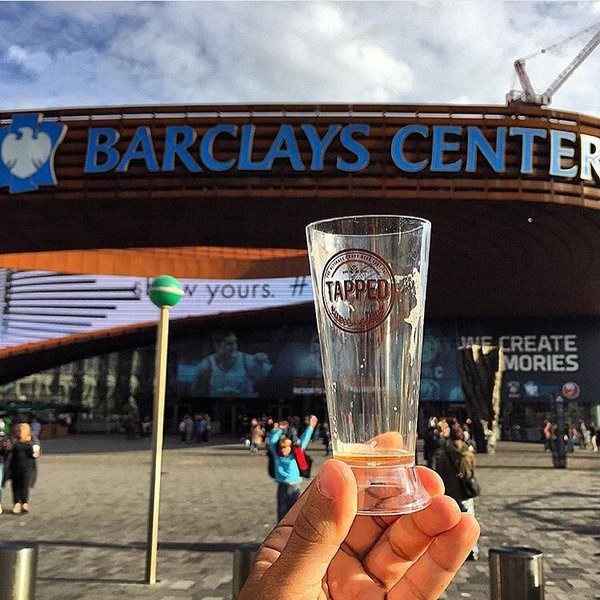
[[189, 546], [106, 442], [529, 467], [558, 512], [91, 580]]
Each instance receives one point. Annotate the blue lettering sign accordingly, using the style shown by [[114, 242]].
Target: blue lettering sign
[[440, 145], [557, 151], [103, 155], [362, 154], [318, 145], [528, 139], [207, 148], [101, 142], [397, 150], [140, 148], [177, 141], [477, 142], [590, 156], [284, 146], [245, 162]]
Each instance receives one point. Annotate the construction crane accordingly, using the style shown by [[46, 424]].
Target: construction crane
[[527, 93]]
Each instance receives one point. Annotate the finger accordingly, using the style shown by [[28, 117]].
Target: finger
[[320, 527], [434, 570], [275, 542], [347, 580], [367, 530], [389, 441], [432, 482], [406, 540]]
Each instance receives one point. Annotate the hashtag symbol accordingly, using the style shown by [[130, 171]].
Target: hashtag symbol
[[298, 285]]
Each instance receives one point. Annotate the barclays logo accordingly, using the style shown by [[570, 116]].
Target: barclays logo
[[27, 149]]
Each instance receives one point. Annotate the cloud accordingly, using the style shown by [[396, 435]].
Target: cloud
[[111, 53]]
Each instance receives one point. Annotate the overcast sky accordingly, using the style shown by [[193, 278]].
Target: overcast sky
[[59, 54]]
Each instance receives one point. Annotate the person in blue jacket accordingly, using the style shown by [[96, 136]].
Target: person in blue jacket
[[287, 473]]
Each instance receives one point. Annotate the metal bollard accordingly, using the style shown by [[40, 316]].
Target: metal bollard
[[18, 570], [243, 559], [516, 573]]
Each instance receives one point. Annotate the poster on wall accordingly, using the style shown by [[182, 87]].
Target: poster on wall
[[542, 358], [269, 363]]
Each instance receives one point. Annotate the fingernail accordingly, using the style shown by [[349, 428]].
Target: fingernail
[[331, 481]]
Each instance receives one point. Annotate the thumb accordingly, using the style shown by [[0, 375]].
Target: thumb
[[320, 527]]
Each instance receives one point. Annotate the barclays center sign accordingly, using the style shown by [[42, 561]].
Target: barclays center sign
[[28, 147]]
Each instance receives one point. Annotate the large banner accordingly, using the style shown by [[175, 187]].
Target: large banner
[[541, 357], [39, 305]]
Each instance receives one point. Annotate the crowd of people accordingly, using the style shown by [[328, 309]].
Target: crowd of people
[[584, 436], [195, 428], [19, 450], [254, 432]]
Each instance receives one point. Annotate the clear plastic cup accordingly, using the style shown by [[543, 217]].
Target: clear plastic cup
[[369, 279]]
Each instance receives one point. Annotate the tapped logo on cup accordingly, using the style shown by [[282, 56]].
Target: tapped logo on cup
[[358, 290]]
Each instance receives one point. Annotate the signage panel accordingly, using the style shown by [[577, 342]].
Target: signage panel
[[28, 146]]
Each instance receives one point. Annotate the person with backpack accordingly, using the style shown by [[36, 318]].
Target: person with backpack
[[285, 464], [456, 467]]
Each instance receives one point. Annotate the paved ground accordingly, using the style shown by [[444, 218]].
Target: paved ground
[[90, 505]]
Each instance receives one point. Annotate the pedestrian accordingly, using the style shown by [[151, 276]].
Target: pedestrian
[[207, 428], [4, 453], [433, 441], [438, 440], [547, 433], [287, 472], [36, 428], [188, 429], [181, 429], [594, 436], [256, 437], [199, 426], [569, 437], [455, 464], [22, 469], [585, 437], [146, 426]]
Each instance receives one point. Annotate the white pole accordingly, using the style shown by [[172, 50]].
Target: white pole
[[160, 381]]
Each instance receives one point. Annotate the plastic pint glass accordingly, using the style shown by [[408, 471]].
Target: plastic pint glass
[[369, 277]]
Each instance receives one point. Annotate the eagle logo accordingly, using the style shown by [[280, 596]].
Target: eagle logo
[[27, 149]]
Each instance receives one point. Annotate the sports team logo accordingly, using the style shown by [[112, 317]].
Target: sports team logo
[[27, 150], [532, 389], [358, 290], [571, 390]]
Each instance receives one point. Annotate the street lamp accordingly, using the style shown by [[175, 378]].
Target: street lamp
[[165, 292]]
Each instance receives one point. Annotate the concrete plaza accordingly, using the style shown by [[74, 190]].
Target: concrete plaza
[[90, 504]]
